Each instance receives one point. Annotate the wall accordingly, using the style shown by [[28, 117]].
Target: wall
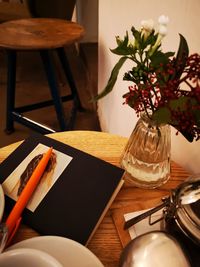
[[87, 15], [115, 17]]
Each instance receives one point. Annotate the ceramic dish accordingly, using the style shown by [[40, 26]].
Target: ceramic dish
[[66, 251], [2, 202], [27, 257]]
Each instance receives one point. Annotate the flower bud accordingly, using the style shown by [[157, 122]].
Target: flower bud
[[131, 43], [163, 20], [162, 30], [118, 40], [147, 27]]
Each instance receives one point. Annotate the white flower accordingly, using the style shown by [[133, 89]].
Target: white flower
[[147, 25], [163, 20], [162, 30]]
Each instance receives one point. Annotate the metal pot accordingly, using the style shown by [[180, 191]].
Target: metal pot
[[181, 219], [157, 249]]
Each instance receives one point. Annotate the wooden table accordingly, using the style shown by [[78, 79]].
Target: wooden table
[[105, 243]]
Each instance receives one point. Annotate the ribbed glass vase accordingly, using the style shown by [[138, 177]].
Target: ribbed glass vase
[[146, 158]]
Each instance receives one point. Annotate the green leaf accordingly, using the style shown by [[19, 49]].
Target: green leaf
[[183, 50], [181, 58], [150, 40], [186, 104], [123, 47], [138, 38], [169, 54], [132, 99], [162, 115], [136, 34], [158, 58], [187, 135], [112, 80], [137, 75], [196, 113], [180, 103]]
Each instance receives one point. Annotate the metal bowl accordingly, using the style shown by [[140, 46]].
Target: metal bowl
[[157, 249]]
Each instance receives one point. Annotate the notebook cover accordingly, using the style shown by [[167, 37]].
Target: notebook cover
[[79, 196]]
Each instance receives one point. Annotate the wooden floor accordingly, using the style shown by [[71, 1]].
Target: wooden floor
[[32, 87]]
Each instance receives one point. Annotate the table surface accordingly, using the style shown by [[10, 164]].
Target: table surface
[[39, 33], [105, 243]]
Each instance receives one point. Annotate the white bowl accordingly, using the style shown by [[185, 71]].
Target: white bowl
[[68, 252], [27, 257], [2, 202]]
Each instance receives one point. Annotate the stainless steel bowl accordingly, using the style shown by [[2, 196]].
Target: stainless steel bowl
[[153, 249]]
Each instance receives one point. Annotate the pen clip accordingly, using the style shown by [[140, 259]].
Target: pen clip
[[12, 233]]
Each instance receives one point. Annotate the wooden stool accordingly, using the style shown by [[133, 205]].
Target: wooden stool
[[44, 35]]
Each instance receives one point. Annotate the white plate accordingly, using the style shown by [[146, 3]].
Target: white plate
[[2, 202], [66, 251], [27, 257]]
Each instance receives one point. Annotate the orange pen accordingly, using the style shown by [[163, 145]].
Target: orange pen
[[14, 217]]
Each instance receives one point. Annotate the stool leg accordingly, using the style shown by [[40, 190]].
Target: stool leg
[[49, 69], [11, 85], [65, 64]]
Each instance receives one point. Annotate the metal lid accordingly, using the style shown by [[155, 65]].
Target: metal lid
[[187, 216]]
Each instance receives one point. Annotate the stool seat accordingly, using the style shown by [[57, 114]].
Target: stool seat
[[43, 35], [39, 33]]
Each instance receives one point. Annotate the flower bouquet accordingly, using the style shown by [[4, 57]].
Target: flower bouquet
[[164, 90], [164, 86]]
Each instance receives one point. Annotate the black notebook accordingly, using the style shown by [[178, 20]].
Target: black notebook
[[73, 195]]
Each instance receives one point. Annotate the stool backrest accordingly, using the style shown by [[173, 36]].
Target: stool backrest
[[62, 9], [13, 10]]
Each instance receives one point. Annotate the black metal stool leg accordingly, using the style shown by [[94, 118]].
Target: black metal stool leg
[[11, 79], [65, 64], [49, 69]]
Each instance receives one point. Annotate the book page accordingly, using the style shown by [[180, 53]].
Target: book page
[[17, 179]]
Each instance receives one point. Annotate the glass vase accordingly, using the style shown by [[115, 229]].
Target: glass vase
[[146, 158]]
